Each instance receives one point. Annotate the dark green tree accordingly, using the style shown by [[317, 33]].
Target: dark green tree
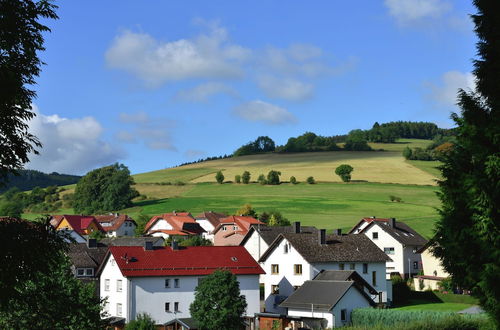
[[196, 241], [143, 321], [468, 232], [245, 177], [11, 208], [273, 177], [261, 179], [407, 153], [247, 210], [141, 220], [219, 177], [344, 171], [293, 180], [36, 280], [218, 303], [356, 141], [274, 218], [21, 37], [105, 189], [310, 180], [237, 178]]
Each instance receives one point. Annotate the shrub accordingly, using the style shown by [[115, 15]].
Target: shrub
[[344, 171], [182, 183], [273, 177], [293, 180], [143, 322], [245, 177], [237, 178], [446, 285], [310, 180], [262, 179], [219, 177], [395, 199]]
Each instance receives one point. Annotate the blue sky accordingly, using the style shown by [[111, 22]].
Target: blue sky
[[157, 83]]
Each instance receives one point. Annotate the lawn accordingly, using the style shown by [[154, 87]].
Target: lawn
[[325, 205], [438, 307], [427, 166], [436, 301]]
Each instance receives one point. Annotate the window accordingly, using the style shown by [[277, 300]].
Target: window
[[85, 272], [389, 250], [167, 307], [275, 289], [275, 269], [224, 228], [176, 283], [352, 266], [295, 287], [176, 306], [415, 265], [365, 268], [106, 284], [167, 283], [374, 278], [341, 266], [285, 248], [375, 235], [297, 269], [343, 315], [118, 285], [119, 309], [235, 227], [126, 233]]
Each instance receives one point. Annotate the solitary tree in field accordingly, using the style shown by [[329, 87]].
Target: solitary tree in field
[[273, 177], [245, 177], [310, 180], [218, 303], [219, 177], [293, 180], [468, 232], [237, 178], [344, 171], [21, 37]]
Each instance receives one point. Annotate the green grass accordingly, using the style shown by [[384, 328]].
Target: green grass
[[439, 307], [401, 144], [427, 166], [326, 205], [184, 174]]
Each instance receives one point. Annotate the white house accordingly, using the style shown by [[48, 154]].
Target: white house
[[161, 281], [117, 225], [433, 271], [294, 258], [329, 299], [209, 221], [398, 240]]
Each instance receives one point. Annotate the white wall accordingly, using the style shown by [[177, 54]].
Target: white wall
[[385, 241], [432, 265], [207, 226], [310, 313], [150, 295], [113, 273], [351, 300], [256, 246], [161, 225], [126, 229]]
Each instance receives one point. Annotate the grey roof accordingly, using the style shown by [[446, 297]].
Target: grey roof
[[269, 233], [83, 257], [401, 232], [345, 275], [320, 295], [338, 248], [131, 241], [188, 322]]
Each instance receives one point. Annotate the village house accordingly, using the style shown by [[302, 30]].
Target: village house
[[161, 281], [209, 221], [232, 230], [180, 224], [328, 300], [433, 271], [294, 258], [115, 225], [398, 240], [82, 225]]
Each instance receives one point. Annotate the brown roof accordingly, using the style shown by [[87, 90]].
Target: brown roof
[[243, 223], [269, 233], [180, 222], [401, 232], [212, 217], [115, 221], [82, 256], [338, 248]]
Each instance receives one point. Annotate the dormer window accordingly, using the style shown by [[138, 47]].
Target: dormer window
[[375, 235]]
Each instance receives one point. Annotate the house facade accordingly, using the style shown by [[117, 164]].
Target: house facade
[[162, 280], [181, 224], [294, 258], [398, 240], [232, 230], [433, 271], [116, 225], [209, 221]]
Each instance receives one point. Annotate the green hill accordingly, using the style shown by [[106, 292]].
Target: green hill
[[29, 179]]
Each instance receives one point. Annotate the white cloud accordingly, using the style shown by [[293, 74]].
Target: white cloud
[[446, 91], [285, 88], [206, 56], [411, 11], [203, 92], [154, 132], [70, 145], [264, 112]]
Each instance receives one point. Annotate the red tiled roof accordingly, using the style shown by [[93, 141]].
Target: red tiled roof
[[134, 261], [115, 220], [179, 221], [79, 223], [212, 217], [169, 232], [243, 223]]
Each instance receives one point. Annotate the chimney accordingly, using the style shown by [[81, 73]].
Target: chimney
[[373, 217], [148, 246], [296, 225], [175, 245], [92, 243], [338, 231], [322, 236], [392, 222]]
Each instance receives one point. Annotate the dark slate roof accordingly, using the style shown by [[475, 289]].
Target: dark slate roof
[[188, 322], [338, 248], [401, 232], [345, 275], [322, 295], [131, 241], [83, 257], [270, 233]]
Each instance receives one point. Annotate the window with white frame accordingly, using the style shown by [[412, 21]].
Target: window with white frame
[[167, 307], [81, 272], [297, 269], [224, 228], [176, 283], [106, 284], [275, 269], [167, 283], [389, 250], [119, 286], [119, 310], [176, 306]]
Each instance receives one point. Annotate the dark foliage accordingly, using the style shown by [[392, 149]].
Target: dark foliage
[[357, 141], [309, 142], [21, 37], [29, 179], [468, 232], [105, 189], [344, 171], [245, 177], [310, 180], [273, 177], [219, 177], [260, 145]]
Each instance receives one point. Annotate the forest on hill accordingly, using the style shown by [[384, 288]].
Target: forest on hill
[[29, 179]]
